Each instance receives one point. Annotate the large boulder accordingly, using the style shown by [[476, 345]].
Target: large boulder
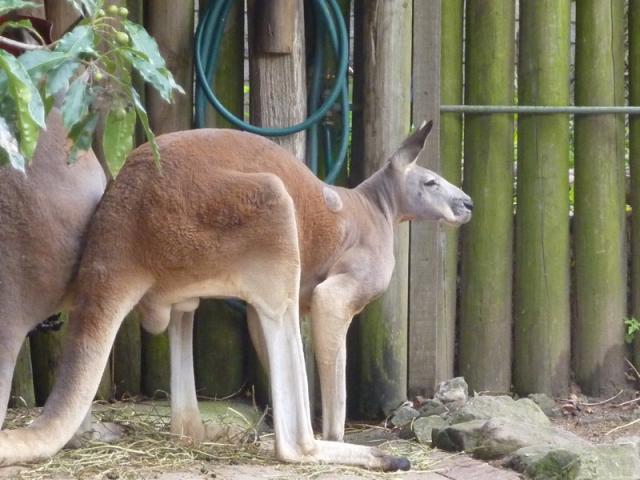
[[487, 407], [461, 437], [601, 462], [500, 437]]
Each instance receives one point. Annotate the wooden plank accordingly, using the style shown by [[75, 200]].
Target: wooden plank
[[487, 262], [172, 27], [599, 232], [22, 392], [61, 14], [541, 291], [276, 31], [634, 163], [451, 47], [127, 348], [282, 77], [220, 336], [382, 117], [431, 292]]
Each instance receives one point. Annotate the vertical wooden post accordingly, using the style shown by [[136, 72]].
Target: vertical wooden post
[[485, 316], [634, 161], [127, 354], [220, 334], [34, 11], [171, 24], [22, 392], [431, 299], [281, 76], [452, 24], [542, 313], [381, 121], [599, 192], [61, 14]]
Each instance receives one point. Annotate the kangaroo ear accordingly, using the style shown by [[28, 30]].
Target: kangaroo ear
[[412, 146]]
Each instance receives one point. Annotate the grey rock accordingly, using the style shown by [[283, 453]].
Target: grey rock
[[633, 440], [546, 404], [487, 407], [404, 415], [601, 462], [500, 437], [544, 462], [455, 390], [432, 407], [424, 426], [462, 437]]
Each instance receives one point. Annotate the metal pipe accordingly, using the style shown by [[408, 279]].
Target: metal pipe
[[540, 109]]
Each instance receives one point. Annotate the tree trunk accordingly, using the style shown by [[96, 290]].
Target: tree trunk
[[382, 120], [485, 317], [599, 193]]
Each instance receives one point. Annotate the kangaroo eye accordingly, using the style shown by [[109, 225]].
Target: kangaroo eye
[[430, 183]]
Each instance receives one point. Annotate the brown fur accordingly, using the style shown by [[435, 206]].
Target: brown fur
[[43, 219]]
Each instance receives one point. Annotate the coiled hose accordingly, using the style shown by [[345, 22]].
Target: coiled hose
[[329, 20]]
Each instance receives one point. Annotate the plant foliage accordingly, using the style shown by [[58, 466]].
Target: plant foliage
[[91, 68]]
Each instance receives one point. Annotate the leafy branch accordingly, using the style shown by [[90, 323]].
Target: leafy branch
[[90, 69]]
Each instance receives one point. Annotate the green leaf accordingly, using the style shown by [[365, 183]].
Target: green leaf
[[58, 78], [9, 151], [28, 102], [90, 6], [144, 120], [76, 103], [146, 58], [39, 62], [117, 139], [79, 40], [16, 24], [8, 5], [82, 135]]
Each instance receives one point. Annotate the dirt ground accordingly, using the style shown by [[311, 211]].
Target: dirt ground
[[600, 420]]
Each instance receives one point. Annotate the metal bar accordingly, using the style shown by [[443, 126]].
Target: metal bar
[[540, 109]]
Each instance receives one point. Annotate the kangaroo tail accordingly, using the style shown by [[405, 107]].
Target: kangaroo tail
[[94, 322]]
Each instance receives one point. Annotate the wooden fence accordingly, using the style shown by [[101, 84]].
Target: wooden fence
[[536, 287]]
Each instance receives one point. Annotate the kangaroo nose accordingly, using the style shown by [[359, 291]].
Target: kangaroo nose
[[468, 204]]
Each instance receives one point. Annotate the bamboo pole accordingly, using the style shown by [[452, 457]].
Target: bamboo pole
[[381, 121], [634, 161], [542, 313], [599, 193], [431, 299], [172, 27], [485, 316]]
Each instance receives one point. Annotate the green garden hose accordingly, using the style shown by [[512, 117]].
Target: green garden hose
[[329, 20]]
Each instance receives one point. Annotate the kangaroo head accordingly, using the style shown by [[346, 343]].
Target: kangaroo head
[[421, 193]]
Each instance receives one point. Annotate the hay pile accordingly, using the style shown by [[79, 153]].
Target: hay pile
[[148, 447]]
